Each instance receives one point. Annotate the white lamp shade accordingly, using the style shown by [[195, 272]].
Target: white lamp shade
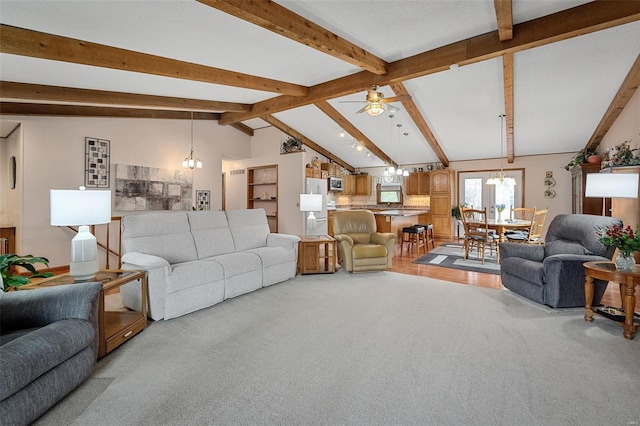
[[310, 202], [80, 207], [612, 185]]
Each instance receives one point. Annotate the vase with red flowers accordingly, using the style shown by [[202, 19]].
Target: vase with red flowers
[[626, 240]]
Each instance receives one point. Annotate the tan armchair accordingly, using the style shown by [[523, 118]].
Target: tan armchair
[[360, 247]]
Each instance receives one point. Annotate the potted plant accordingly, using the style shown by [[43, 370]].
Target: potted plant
[[8, 262], [455, 210], [581, 156]]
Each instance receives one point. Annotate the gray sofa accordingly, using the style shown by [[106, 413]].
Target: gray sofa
[[48, 346], [199, 258], [552, 274]]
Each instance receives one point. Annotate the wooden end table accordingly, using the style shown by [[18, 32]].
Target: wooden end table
[[114, 327], [317, 254], [627, 280]]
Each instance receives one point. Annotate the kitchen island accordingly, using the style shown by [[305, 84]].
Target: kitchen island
[[394, 220]]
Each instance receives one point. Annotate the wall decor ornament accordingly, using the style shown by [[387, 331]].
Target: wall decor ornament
[[140, 188], [97, 162]]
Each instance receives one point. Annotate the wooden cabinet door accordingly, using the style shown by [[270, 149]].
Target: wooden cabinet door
[[412, 184], [424, 183], [330, 222], [363, 185], [441, 216], [348, 185], [441, 181]]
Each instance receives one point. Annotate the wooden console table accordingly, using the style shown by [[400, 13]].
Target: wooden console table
[[627, 280], [317, 254], [114, 327]]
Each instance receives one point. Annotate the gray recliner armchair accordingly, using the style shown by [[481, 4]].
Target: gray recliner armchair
[[48, 346], [552, 274]]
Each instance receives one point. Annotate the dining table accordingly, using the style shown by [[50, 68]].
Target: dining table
[[501, 226]]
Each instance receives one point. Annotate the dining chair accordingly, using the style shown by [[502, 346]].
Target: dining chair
[[520, 213], [534, 234], [477, 234]]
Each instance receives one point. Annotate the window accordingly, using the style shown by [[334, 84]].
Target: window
[[389, 193], [475, 192]]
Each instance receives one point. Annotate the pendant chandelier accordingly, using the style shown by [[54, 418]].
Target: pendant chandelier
[[501, 178], [190, 162]]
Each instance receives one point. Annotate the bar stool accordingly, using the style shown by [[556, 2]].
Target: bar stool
[[427, 236], [412, 235]]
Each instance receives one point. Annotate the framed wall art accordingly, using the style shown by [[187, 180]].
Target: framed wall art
[[203, 199], [97, 163]]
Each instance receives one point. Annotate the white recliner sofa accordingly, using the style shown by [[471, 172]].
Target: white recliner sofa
[[196, 259]]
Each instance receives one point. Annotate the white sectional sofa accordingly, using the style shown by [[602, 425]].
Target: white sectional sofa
[[196, 259]]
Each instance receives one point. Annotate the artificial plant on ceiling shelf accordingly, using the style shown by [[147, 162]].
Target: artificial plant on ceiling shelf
[[621, 155], [580, 158]]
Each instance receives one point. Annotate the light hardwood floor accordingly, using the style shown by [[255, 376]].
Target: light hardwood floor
[[404, 264]]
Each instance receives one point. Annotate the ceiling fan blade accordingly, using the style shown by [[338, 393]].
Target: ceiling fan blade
[[397, 99], [361, 110], [392, 109], [352, 102]]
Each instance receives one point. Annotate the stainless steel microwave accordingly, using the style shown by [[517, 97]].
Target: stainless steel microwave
[[335, 184]]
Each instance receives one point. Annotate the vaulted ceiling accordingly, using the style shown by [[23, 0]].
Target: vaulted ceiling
[[561, 70]]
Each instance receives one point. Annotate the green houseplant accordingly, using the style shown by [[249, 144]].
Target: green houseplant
[[580, 157], [455, 210], [9, 261]]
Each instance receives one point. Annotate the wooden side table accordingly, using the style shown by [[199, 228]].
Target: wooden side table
[[317, 254], [627, 280], [114, 327]]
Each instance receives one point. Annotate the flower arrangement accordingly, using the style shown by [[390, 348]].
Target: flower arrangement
[[625, 239], [621, 155], [500, 207]]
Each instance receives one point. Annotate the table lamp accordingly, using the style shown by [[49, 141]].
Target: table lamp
[[310, 203], [81, 208], [611, 185]]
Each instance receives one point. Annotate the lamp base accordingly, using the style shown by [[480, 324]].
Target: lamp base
[[84, 255], [312, 223], [84, 271]]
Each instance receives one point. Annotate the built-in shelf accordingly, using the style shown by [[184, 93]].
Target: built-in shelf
[[262, 192]]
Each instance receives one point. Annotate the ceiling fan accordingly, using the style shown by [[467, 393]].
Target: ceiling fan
[[376, 102]]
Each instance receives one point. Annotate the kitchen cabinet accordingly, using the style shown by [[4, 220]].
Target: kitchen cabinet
[[418, 183], [579, 203], [332, 168], [262, 192], [442, 199], [356, 185], [316, 173]]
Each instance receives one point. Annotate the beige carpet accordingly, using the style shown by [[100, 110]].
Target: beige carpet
[[370, 349]]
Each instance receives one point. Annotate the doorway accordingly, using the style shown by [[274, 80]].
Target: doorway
[[476, 193]]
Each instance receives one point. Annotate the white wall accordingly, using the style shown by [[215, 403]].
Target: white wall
[[10, 199], [53, 158], [626, 127]]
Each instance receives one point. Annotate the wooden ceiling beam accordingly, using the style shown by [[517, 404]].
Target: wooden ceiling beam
[[24, 108], [580, 20], [306, 141], [400, 90], [507, 71], [346, 125], [273, 17], [243, 128], [40, 92], [35, 44], [620, 100], [504, 16]]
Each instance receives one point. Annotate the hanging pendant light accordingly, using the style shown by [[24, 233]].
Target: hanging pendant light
[[501, 178], [191, 162], [405, 173]]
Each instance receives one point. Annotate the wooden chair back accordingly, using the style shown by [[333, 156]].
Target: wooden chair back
[[537, 226], [475, 223], [522, 213]]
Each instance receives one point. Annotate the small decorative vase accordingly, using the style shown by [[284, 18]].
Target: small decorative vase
[[625, 263], [499, 216]]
